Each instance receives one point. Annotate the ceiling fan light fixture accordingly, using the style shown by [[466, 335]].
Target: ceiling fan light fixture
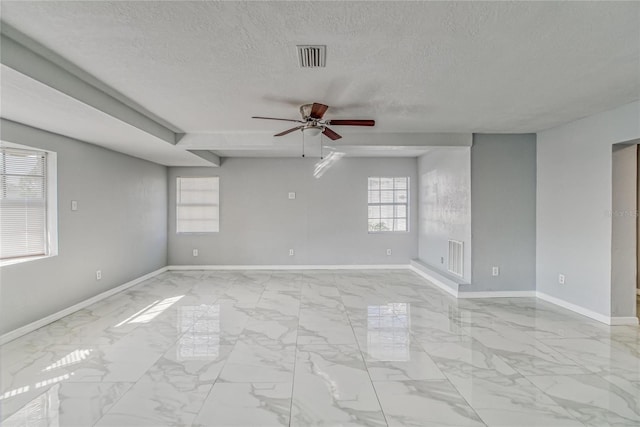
[[312, 130]]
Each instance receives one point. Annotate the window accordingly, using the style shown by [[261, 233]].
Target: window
[[197, 205], [27, 204], [388, 204]]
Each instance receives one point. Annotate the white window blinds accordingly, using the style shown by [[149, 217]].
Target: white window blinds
[[23, 203], [197, 205]]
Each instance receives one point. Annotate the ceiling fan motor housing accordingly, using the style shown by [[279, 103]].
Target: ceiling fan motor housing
[[305, 111], [313, 122]]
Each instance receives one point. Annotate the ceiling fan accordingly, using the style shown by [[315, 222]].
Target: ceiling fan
[[313, 122]]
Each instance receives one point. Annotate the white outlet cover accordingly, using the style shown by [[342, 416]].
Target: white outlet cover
[[195, 252], [292, 195], [495, 271], [74, 205], [291, 252], [561, 279], [98, 274]]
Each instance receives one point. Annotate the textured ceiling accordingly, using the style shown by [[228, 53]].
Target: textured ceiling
[[411, 66]]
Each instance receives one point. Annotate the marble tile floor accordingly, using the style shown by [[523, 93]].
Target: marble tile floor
[[319, 348]]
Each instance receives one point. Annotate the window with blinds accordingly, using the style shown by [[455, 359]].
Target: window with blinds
[[197, 205], [23, 203], [388, 204]]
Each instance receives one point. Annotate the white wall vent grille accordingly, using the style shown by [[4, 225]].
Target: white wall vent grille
[[312, 56], [456, 257]]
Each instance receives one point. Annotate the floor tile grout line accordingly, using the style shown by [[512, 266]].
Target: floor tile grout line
[[295, 355], [204, 400], [555, 400], [475, 411], [366, 367], [535, 340], [115, 402], [445, 372], [133, 384], [448, 379]]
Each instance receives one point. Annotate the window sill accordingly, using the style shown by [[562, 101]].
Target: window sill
[[187, 233], [13, 261]]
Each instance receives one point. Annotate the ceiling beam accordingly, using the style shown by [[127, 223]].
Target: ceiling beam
[[212, 158], [24, 60], [238, 141]]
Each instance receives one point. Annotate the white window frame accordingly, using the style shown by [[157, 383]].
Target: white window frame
[[51, 189], [380, 204], [178, 204]]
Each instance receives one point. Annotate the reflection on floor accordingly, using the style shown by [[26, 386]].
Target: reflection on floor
[[375, 348]]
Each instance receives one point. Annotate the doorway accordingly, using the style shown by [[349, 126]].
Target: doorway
[[624, 232]]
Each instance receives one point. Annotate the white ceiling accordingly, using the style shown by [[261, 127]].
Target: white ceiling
[[414, 67], [38, 105]]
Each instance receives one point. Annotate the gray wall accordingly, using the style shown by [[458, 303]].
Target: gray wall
[[325, 224], [623, 230], [574, 193], [120, 227], [503, 208], [445, 206]]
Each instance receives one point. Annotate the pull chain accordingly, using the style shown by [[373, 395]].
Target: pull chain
[[302, 143], [321, 148]]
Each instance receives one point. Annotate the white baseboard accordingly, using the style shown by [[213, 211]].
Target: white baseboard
[[575, 308], [620, 321], [613, 321], [290, 267], [16, 333], [497, 294], [434, 280]]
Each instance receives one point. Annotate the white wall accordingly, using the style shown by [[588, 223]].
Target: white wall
[[444, 210], [120, 227], [503, 212], [325, 224], [574, 194]]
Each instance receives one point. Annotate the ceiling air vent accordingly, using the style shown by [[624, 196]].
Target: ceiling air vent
[[312, 56]]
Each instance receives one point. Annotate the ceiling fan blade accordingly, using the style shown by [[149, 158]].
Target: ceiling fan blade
[[318, 110], [352, 122], [331, 134], [288, 131], [274, 118]]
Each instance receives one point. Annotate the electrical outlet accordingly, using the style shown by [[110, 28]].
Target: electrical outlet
[[495, 271], [291, 252], [388, 252], [74, 205], [561, 279], [195, 252], [98, 274]]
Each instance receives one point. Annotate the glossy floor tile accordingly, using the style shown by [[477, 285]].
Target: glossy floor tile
[[319, 348]]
